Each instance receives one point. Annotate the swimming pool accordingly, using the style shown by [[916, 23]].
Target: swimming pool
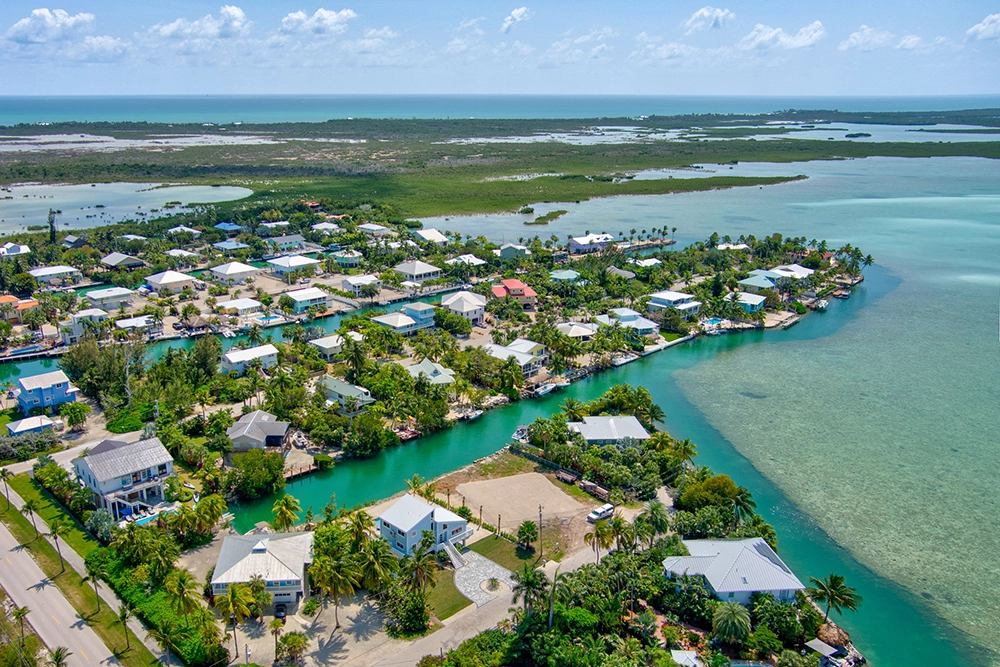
[[269, 318], [26, 350], [152, 517], [714, 321]]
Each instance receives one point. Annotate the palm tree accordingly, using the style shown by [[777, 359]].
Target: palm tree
[[167, 636], [21, 613], [376, 563], [599, 538], [574, 409], [336, 577], [124, 615], [655, 515], [254, 335], [184, 590], [202, 397], [58, 527], [685, 450], [28, 509], [59, 656], [360, 523], [277, 627], [285, 509], [530, 585], [235, 603], [415, 483], [555, 588], [835, 593], [743, 505], [5, 475], [731, 623], [418, 570], [95, 572]]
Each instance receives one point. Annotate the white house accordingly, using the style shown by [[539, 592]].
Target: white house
[[240, 307], [304, 299], [470, 260], [181, 229], [372, 229], [238, 360], [353, 284], [178, 253], [431, 236], [348, 259], [793, 271], [281, 559], [13, 250], [142, 323], [170, 282], [583, 331], [351, 398], [609, 430], [119, 260], [417, 271], [125, 478], [435, 373], [469, 305], [233, 272], [111, 298], [282, 266], [631, 320], [645, 263], [529, 364], [331, 345], [669, 299], [74, 330], [733, 246], [398, 321], [589, 243], [734, 570], [326, 228], [404, 523], [48, 274]]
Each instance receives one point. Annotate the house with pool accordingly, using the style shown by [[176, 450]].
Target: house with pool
[[126, 478]]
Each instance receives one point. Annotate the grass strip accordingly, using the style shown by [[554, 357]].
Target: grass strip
[[78, 593], [444, 598], [49, 508]]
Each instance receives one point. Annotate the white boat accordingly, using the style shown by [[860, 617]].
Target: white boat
[[822, 304], [561, 382], [189, 485], [469, 416], [544, 388], [521, 434], [622, 360]]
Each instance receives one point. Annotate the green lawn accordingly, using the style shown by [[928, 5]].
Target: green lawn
[[670, 336], [503, 553], [10, 415], [444, 598], [76, 537], [78, 593]]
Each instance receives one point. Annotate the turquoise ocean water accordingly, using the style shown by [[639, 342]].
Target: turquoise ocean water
[[311, 108]]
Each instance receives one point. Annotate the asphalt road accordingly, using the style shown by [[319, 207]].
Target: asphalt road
[[52, 617]]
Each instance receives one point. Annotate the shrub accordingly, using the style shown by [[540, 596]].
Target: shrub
[[125, 422], [310, 607], [323, 461]]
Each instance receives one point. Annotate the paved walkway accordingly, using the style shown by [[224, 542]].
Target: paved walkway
[[53, 618], [67, 455], [470, 578]]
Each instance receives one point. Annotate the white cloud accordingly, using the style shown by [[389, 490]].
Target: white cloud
[[988, 28], [385, 32], [472, 24], [46, 25], [766, 37], [708, 17], [515, 48], [590, 46], [99, 49], [650, 49], [910, 42], [231, 22], [866, 39], [516, 16], [322, 22]]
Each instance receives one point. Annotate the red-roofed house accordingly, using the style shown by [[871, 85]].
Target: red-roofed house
[[516, 289], [17, 309]]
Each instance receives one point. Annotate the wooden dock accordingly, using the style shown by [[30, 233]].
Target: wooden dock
[[294, 473]]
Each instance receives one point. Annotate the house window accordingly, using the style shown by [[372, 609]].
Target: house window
[[732, 595], [162, 470]]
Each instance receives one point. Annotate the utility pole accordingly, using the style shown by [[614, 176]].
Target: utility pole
[[480, 516], [539, 531], [498, 525]]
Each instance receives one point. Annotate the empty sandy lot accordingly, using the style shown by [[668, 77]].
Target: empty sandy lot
[[517, 499]]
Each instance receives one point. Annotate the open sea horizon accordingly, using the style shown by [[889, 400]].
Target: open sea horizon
[[224, 109]]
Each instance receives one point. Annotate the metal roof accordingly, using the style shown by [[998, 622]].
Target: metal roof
[[112, 459], [119, 258], [233, 268], [109, 293], [395, 320], [747, 565], [168, 277], [408, 511], [273, 557], [417, 268], [28, 424], [46, 271], [237, 356], [257, 425], [306, 294], [609, 428], [42, 381], [434, 372], [292, 261]]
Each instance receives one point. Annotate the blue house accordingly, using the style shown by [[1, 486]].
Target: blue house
[[45, 391], [404, 523], [756, 283], [230, 246], [751, 302], [422, 314], [228, 228]]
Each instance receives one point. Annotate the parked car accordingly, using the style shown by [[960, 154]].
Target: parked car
[[280, 612], [602, 512]]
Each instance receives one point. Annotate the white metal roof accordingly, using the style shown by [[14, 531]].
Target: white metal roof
[[503, 353], [108, 293], [181, 229], [42, 381], [233, 268], [280, 557], [358, 281], [669, 296], [327, 343], [177, 252], [593, 238], [432, 235], [28, 424], [577, 329], [239, 356], [168, 278], [46, 271], [609, 428], [747, 565], [417, 268], [463, 296], [240, 304], [135, 322], [307, 294], [471, 260], [408, 511], [395, 320], [292, 261]]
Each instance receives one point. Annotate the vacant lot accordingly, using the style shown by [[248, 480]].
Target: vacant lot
[[517, 498]]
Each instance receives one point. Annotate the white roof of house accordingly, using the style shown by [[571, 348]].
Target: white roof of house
[[372, 227], [273, 557], [395, 320], [417, 268], [435, 372], [524, 345], [133, 237], [686, 658], [89, 312], [239, 356], [347, 254], [503, 353], [609, 428], [749, 299], [358, 281], [233, 269], [42, 381], [409, 510], [733, 246], [46, 271], [181, 229], [793, 271], [109, 293], [112, 459], [669, 296], [593, 238], [577, 329], [135, 322], [28, 424], [14, 249], [275, 225], [462, 300], [168, 278], [240, 304], [432, 235], [652, 261], [307, 294], [328, 342], [747, 565], [178, 252], [292, 261], [325, 227], [471, 260]]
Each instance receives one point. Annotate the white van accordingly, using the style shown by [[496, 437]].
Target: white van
[[602, 512]]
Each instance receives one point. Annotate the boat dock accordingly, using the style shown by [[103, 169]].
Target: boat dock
[[295, 473]]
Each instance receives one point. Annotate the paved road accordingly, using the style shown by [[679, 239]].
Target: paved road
[[52, 617], [67, 455]]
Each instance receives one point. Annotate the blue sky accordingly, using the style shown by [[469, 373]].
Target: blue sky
[[779, 47]]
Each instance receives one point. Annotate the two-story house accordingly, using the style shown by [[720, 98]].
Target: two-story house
[[669, 299], [282, 266], [80, 322], [514, 288], [126, 478], [310, 297], [530, 356], [351, 398], [45, 391], [281, 560], [469, 305], [589, 243], [417, 272], [239, 360], [404, 523], [631, 320]]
